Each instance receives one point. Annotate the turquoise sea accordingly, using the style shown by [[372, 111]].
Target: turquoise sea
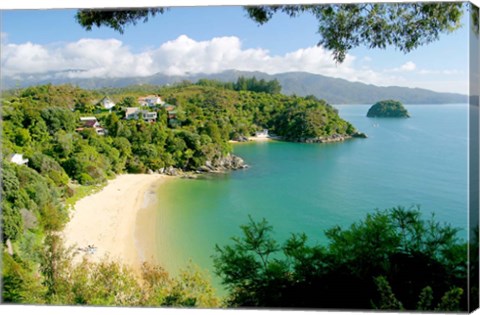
[[312, 187]]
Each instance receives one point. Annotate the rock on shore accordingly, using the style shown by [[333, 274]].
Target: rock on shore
[[334, 138], [227, 163]]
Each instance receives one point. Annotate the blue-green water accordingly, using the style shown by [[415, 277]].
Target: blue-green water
[[312, 187]]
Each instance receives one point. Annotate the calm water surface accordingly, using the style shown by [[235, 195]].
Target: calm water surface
[[312, 187]]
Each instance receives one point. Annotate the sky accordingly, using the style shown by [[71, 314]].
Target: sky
[[213, 39]]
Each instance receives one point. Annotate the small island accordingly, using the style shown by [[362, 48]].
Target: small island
[[388, 108]]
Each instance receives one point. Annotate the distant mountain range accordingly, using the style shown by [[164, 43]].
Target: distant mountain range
[[333, 90]]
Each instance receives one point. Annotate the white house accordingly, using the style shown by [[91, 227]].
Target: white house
[[18, 159], [134, 113], [107, 103], [150, 100]]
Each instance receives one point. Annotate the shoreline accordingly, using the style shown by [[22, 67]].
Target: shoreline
[[255, 139], [324, 139], [116, 221]]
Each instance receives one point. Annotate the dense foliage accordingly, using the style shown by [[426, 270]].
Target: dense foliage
[[341, 26], [43, 124], [388, 108], [242, 113], [107, 283], [246, 84], [40, 123], [391, 260], [117, 20]]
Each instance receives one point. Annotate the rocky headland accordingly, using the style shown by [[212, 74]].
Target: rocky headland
[[333, 138], [227, 163]]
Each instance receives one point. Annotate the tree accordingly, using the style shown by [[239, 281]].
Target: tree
[[58, 119], [12, 223], [247, 269], [48, 167], [55, 265], [392, 259], [128, 101], [114, 19], [342, 27], [19, 283]]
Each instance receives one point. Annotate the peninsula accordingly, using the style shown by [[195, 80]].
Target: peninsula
[[62, 143]]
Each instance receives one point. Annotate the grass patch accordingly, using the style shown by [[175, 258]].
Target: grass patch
[[81, 192]]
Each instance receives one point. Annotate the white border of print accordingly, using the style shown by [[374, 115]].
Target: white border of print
[[63, 4]]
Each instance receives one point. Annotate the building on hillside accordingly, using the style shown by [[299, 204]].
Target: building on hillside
[[150, 100], [135, 113], [171, 111], [17, 158], [131, 113], [107, 103], [91, 122]]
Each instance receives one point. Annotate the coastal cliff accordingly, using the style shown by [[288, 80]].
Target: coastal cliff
[[226, 163], [229, 162]]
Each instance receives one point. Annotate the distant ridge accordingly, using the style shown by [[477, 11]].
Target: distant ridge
[[333, 90]]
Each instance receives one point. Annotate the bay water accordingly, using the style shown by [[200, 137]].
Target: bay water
[[420, 161]]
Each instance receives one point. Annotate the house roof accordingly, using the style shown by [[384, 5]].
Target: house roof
[[88, 118], [131, 110], [150, 99], [105, 98], [90, 123], [149, 96]]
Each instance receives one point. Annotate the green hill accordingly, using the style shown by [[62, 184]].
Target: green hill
[[333, 90]]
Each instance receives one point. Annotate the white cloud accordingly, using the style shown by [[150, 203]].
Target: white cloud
[[441, 72], [110, 58], [84, 58], [409, 66]]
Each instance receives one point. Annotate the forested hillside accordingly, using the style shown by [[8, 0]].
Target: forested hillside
[[68, 158], [51, 157]]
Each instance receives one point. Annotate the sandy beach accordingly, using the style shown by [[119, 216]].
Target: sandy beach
[[254, 138], [117, 220]]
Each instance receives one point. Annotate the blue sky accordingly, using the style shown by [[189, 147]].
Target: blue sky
[[212, 39]]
